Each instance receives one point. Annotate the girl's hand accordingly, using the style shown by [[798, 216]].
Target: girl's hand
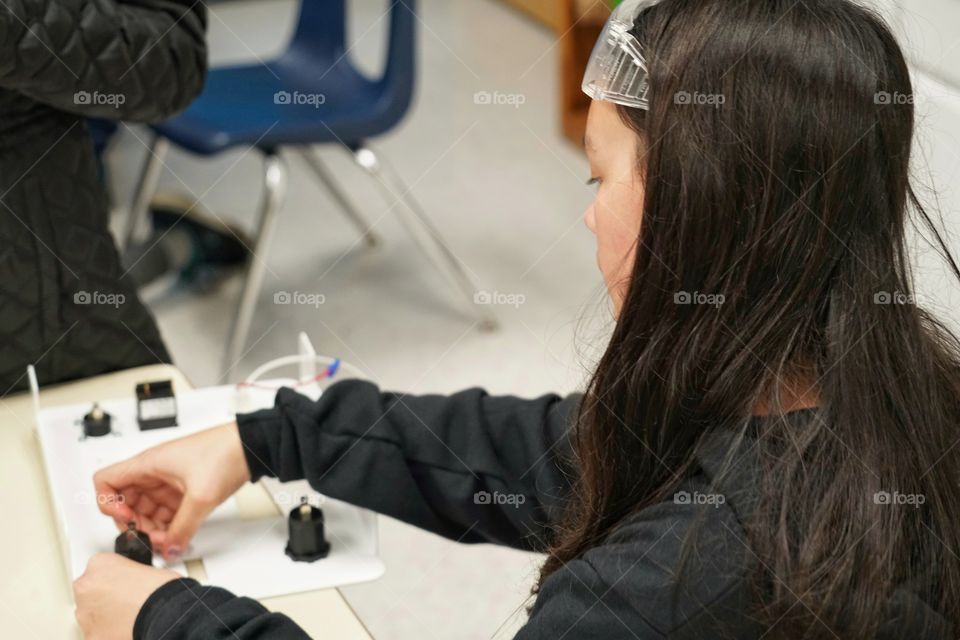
[[168, 490], [111, 592]]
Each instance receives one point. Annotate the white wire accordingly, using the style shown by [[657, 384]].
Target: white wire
[[297, 359]]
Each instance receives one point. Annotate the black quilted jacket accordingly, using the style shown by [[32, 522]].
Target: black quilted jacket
[[63, 303]]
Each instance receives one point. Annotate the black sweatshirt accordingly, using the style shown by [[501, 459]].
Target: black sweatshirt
[[478, 468]]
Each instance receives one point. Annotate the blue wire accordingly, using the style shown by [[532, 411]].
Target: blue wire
[[332, 369]]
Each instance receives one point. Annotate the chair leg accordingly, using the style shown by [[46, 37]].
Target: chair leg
[[424, 233], [145, 190], [274, 190], [323, 174]]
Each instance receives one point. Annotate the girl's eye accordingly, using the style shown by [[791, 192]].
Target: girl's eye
[[593, 181]]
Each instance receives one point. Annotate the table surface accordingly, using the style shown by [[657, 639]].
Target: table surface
[[35, 594]]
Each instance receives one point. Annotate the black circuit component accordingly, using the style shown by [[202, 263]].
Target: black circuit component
[[134, 545], [306, 542], [97, 423], [156, 405]]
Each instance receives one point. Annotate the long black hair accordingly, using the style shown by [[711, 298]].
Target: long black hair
[[776, 162]]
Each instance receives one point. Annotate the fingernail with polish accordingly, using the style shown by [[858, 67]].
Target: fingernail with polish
[[174, 552]]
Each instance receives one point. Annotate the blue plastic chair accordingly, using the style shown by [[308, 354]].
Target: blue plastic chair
[[311, 94]]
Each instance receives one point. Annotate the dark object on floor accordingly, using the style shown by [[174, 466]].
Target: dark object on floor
[[215, 243], [187, 241], [134, 544], [306, 543], [156, 405], [97, 423]]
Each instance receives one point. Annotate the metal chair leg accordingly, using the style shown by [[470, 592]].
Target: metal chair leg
[[424, 233], [323, 174], [274, 190], [145, 190]]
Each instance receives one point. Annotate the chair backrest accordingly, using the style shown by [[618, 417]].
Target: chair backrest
[[320, 37], [321, 28], [321, 31]]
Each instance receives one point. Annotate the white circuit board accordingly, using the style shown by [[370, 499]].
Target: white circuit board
[[245, 556]]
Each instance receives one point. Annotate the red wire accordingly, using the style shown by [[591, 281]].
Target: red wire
[[300, 383]]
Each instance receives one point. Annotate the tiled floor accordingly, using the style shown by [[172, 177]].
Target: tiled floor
[[508, 194]]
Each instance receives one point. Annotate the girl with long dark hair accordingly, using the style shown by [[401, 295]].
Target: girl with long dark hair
[[768, 446]]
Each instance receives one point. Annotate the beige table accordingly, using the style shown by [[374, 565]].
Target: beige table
[[35, 595]]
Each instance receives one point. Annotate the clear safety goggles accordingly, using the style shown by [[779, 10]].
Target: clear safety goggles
[[617, 70]]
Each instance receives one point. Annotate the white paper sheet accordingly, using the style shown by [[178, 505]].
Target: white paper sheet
[[244, 556]]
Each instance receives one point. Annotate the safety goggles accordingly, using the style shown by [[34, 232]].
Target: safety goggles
[[617, 70]]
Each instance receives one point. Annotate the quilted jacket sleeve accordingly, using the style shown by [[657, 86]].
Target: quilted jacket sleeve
[[138, 60]]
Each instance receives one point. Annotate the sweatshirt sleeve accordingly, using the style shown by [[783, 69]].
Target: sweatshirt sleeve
[[470, 466], [185, 610], [645, 582], [138, 60]]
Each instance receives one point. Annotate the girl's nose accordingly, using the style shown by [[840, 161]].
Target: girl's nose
[[590, 220]]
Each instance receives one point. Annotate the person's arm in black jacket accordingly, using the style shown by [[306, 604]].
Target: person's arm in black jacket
[[631, 587], [427, 460], [140, 60], [469, 466]]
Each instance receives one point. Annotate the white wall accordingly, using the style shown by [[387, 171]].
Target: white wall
[[929, 32]]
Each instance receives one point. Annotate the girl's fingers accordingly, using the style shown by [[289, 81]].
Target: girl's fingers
[[131, 495], [163, 515], [110, 483], [193, 510], [146, 523], [167, 496], [145, 506]]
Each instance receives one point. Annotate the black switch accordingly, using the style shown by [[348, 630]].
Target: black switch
[[306, 543], [156, 405], [134, 545], [96, 423]]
